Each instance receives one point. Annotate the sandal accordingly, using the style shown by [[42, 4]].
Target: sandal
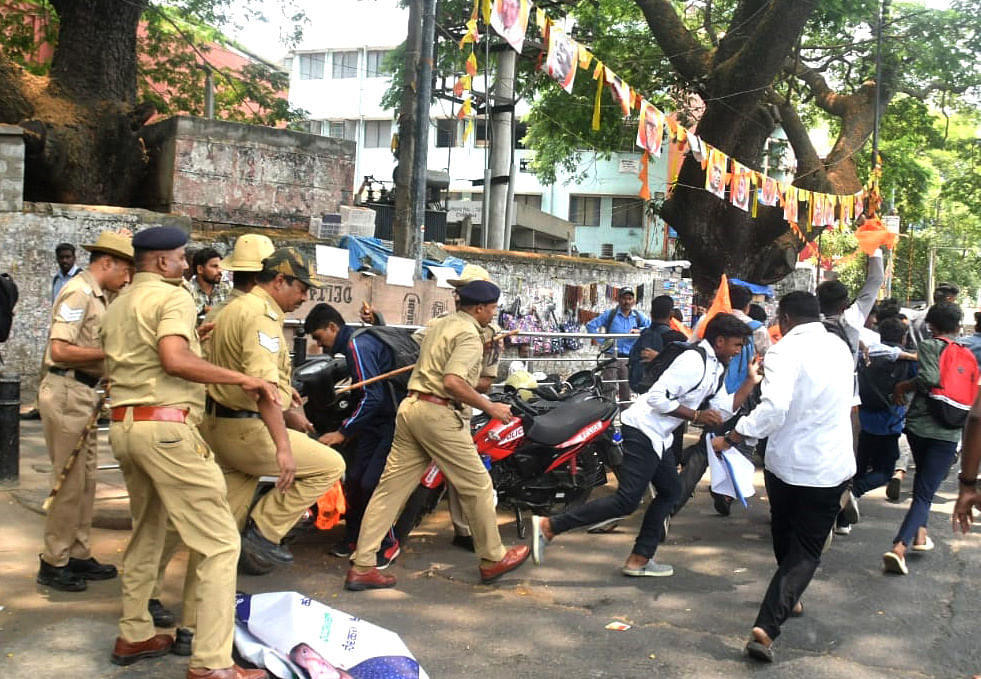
[[757, 650]]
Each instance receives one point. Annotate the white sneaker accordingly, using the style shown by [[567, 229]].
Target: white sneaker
[[843, 530], [649, 570], [538, 541], [925, 547], [893, 563], [850, 511]]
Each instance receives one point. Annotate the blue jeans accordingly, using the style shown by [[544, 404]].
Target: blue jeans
[[878, 452], [933, 459], [641, 466]]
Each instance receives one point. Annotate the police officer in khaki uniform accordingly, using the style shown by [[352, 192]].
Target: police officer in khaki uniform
[[73, 366], [433, 424], [250, 441], [245, 261], [462, 535], [153, 362]]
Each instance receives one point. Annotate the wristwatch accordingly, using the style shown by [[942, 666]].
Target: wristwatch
[[729, 440]]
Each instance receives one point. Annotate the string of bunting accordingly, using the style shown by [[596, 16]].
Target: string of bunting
[[725, 177]]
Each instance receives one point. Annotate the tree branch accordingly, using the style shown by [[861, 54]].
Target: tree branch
[[707, 24], [688, 56], [14, 104], [808, 161]]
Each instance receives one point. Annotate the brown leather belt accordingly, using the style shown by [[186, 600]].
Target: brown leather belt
[[438, 400], [150, 414]]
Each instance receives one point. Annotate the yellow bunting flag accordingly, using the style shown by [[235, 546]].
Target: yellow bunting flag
[[467, 130], [485, 10], [472, 64], [597, 102], [472, 35], [585, 57]]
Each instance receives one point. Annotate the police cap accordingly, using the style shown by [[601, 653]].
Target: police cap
[[479, 292], [160, 238], [294, 264]]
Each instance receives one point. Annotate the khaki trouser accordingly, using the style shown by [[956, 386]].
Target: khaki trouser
[[245, 451], [460, 525], [425, 431], [170, 472], [66, 405], [172, 542]]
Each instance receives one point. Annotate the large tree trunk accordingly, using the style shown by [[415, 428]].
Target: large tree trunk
[[734, 79], [83, 140]]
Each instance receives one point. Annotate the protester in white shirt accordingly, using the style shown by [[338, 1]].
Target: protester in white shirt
[[678, 395], [805, 411]]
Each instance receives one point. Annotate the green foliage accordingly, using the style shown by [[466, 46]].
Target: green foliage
[[175, 45]]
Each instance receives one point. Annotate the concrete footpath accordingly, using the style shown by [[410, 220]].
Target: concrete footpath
[[550, 621]]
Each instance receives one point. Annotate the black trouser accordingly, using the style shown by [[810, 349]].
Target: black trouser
[[641, 466], [800, 519], [363, 471]]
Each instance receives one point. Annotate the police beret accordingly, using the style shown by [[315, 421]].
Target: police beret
[[479, 292], [160, 238]]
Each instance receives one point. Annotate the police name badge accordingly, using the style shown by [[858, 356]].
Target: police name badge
[[269, 343], [69, 314]]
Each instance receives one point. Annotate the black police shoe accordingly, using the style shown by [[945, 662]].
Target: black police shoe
[[162, 616], [60, 577], [254, 542], [182, 642], [463, 542], [90, 569]]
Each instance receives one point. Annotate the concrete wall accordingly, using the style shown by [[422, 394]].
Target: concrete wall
[[27, 243], [246, 175]]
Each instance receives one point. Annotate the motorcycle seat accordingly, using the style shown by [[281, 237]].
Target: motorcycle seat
[[558, 425]]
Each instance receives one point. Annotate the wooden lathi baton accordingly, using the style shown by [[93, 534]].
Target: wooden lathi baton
[[404, 369], [73, 456]]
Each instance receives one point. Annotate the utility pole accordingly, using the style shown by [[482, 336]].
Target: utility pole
[[500, 192], [424, 91], [404, 227]]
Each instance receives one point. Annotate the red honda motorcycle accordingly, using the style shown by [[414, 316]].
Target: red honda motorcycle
[[547, 458]]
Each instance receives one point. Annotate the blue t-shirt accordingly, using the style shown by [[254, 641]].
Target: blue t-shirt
[[618, 323]]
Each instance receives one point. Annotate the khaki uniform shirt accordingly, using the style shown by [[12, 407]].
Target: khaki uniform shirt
[[250, 339], [492, 357], [76, 318], [212, 315], [145, 312], [452, 346]]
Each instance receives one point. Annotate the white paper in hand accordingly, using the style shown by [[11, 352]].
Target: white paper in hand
[[732, 475]]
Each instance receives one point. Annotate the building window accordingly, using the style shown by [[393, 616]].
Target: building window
[[531, 200], [342, 129], [377, 134], [312, 66], [288, 64], [447, 132], [376, 64], [345, 64], [520, 132], [584, 210], [628, 213], [480, 132]]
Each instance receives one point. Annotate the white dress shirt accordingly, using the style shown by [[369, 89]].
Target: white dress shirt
[[688, 381], [808, 382]]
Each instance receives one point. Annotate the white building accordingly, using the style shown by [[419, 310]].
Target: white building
[[337, 76]]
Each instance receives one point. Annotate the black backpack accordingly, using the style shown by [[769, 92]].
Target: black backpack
[[635, 367], [8, 300], [877, 380], [672, 351], [405, 351]]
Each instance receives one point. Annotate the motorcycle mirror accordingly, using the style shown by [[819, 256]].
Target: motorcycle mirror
[[607, 346]]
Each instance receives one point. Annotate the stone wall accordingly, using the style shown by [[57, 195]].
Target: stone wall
[[27, 243], [11, 168], [246, 175]]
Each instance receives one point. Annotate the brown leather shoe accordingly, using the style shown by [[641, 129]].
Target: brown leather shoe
[[514, 558], [373, 579], [128, 652], [233, 672]]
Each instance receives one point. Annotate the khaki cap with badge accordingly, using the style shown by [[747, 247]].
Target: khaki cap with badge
[[248, 253], [470, 273], [114, 244], [294, 264]]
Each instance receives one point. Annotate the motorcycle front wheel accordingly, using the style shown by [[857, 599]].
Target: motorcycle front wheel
[[422, 501]]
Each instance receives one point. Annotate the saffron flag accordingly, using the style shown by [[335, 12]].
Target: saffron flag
[[509, 18], [873, 234], [563, 57], [720, 305], [650, 128], [620, 89], [739, 186]]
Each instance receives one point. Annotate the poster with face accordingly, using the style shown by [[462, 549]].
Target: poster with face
[[620, 89], [563, 57], [696, 146], [650, 128], [509, 18], [739, 186], [768, 192], [715, 172], [790, 205]]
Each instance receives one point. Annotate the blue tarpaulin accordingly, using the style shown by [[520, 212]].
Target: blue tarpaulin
[[369, 253], [765, 290]]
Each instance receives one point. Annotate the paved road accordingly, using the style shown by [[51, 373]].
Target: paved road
[[549, 621]]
